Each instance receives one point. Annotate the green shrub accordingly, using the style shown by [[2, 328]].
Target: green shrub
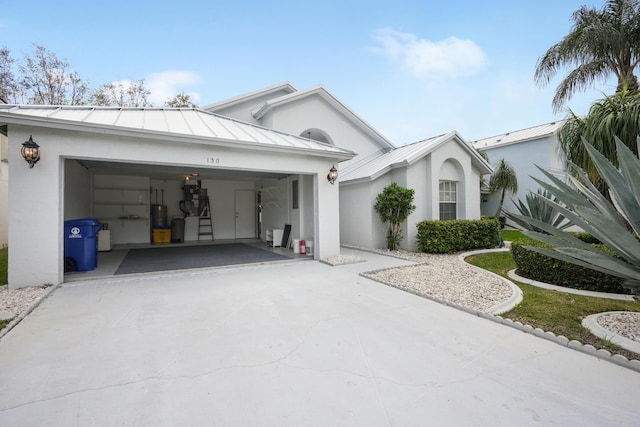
[[536, 266], [585, 237], [446, 237]]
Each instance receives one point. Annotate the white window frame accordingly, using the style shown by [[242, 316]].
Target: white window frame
[[448, 197]]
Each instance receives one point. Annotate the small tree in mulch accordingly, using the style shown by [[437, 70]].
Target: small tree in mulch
[[394, 205]]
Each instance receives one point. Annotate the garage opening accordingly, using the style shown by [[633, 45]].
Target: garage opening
[[161, 217]]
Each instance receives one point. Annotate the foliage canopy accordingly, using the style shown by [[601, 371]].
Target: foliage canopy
[[394, 205], [600, 43]]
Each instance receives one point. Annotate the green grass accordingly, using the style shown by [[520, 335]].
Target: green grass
[[4, 261], [555, 311], [512, 235]]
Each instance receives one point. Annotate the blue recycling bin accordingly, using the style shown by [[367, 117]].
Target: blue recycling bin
[[81, 244]]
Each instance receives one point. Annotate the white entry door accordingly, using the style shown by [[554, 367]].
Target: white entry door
[[245, 214]]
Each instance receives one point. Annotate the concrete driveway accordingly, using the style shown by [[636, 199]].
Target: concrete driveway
[[291, 344]]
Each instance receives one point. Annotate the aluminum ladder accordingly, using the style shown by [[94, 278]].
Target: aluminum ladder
[[205, 222]]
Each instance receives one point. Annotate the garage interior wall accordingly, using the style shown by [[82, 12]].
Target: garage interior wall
[[97, 195], [275, 204], [160, 191], [77, 190], [222, 199]]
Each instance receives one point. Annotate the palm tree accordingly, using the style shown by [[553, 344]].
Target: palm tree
[[503, 179], [617, 115], [600, 43]]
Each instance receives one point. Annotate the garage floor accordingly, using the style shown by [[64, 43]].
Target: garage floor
[[111, 263]]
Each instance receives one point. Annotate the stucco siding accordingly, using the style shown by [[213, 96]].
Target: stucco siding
[[356, 213], [4, 203], [523, 157], [243, 110], [419, 178], [455, 157], [313, 112]]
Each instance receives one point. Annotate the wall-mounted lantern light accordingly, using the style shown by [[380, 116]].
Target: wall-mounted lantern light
[[30, 151], [333, 174]]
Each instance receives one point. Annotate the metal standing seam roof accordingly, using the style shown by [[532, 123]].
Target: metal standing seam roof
[[522, 135], [177, 122], [374, 166]]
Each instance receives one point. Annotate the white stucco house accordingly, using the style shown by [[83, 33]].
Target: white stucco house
[[263, 158], [126, 152], [523, 149], [439, 168]]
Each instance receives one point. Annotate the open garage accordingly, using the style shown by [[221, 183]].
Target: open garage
[[140, 171]]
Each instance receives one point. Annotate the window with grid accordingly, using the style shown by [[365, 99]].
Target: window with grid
[[448, 199]]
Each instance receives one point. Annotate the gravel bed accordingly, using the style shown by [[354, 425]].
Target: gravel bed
[[18, 301], [624, 324], [445, 277]]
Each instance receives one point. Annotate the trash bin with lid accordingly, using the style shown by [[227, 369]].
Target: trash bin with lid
[[177, 230], [81, 244]]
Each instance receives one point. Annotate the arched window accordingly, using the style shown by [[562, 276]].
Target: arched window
[[317, 135], [451, 190]]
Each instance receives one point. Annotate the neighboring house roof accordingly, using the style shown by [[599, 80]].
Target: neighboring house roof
[[331, 100], [518, 136], [280, 87], [374, 166], [178, 124]]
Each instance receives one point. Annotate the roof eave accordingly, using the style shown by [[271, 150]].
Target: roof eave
[[248, 96], [341, 155]]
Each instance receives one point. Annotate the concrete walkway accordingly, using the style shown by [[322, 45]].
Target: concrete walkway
[[291, 344]]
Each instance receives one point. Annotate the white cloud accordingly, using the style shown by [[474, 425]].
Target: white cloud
[[167, 84], [451, 57]]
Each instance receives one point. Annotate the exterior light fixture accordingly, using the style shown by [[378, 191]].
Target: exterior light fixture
[[333, 174], [30, 151]]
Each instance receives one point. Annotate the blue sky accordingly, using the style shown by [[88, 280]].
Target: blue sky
[[411, 69]]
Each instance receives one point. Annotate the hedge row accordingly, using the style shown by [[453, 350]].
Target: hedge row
[[446, 237], [542, 268]]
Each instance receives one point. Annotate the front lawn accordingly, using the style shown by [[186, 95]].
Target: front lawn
[[555, 311], [512, 235]]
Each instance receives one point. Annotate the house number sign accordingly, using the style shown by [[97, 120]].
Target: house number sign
[[213, 160]]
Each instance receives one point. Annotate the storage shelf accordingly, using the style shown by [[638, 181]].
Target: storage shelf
[[116, 199], [124, 219], [121, 189], [121, 203]]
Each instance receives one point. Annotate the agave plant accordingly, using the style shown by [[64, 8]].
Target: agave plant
[[536, 208], [616, 224]]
